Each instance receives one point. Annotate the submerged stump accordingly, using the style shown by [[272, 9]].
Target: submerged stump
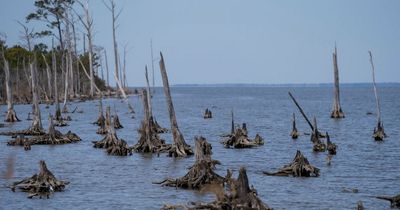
[[42, 184], [207, 114], [201, 173], [300, 167], [239, 139]]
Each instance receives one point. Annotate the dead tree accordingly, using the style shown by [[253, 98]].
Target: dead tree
[[207, 114], [179, 146], [201, 173], [36, 127], [337, 110], [331, 147], [318, 145], [110, 142], [299, 167], [42, 184], [155, 127], [117, 123], [294, 134], [394, 201], [379, 131], [57, 116], [11, 116], [238, 195]]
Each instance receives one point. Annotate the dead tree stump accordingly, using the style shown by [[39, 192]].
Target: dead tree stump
[[201, 173], [110, 142], [149, 141], [42, 184], [394, 201], [238, 195], [179, 147], [294, 134], [207, 114], [331, 147], [337, 109], [300, 167], [117, 123], [11, 116], [318, 145]]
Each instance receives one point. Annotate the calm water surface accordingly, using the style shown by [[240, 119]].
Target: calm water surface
[[106, 182]]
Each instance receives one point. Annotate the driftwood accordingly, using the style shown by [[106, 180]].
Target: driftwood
[[337, 109], [179, 146], [239, 139], [379, 132], [238, 195], [294, 134], [207, 114], [394, 201], [149, 141], [300, 167], [110, 142], [201, 173], [11, 116], [42, 184], [53, 136]]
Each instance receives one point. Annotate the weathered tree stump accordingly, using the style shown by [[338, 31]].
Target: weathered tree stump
[[100, 120], [238, 195], [379, 132], [294, 134], [179, 147], [318, 145], [110, 142], [42, 184], [11, 116], [201, 173], [331, 147], [337, 109], [300, 167], [149, 141], [207, 114], [117, 123], [394, 201]]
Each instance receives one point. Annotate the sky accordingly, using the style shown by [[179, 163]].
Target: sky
[[237, 41]]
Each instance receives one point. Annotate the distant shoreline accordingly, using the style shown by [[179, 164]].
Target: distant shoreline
[[383, 84]]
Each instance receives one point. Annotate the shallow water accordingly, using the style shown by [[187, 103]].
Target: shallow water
[[102, 181]]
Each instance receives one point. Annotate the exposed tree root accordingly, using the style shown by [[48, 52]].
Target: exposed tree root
[[201, 173], [300, 167], [11, 116], [42, 184]]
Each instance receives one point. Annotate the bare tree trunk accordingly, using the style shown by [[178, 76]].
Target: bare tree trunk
[[152, 65], [379, 131], [37, 121], [56, 101], [11, 116], [337, 110], [107, 75], [301, 111], [180, 148], [49, 77], [149, 93]]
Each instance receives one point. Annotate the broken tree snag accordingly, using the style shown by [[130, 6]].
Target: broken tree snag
[[337, 110], [301, 111], [201, 173], [238, 195], [294, 134], [42, 184], [149, 141], [179, 146], [299, 167], [11, 116], [110, 142], [239, 139], [318, 146], [207, 114], [394, 201], [379, 131], [331, 147], [117, 123]]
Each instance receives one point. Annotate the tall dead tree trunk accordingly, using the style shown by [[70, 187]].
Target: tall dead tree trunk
[[337, 110], [180, 148], [48, 76], [152, 65], [107, 74], [379, 131], [37, 121], [11, 116]]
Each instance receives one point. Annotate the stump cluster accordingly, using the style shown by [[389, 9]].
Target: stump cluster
[[239, 139], [42, 184], [299, 167], [237, 195], [201, 173]]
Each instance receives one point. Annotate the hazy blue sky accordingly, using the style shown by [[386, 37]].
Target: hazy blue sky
[[258, 41]]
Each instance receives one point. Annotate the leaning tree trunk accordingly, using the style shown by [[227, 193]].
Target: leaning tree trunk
[[180, 148], [11, 116], [337, 110], [379, 131]]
